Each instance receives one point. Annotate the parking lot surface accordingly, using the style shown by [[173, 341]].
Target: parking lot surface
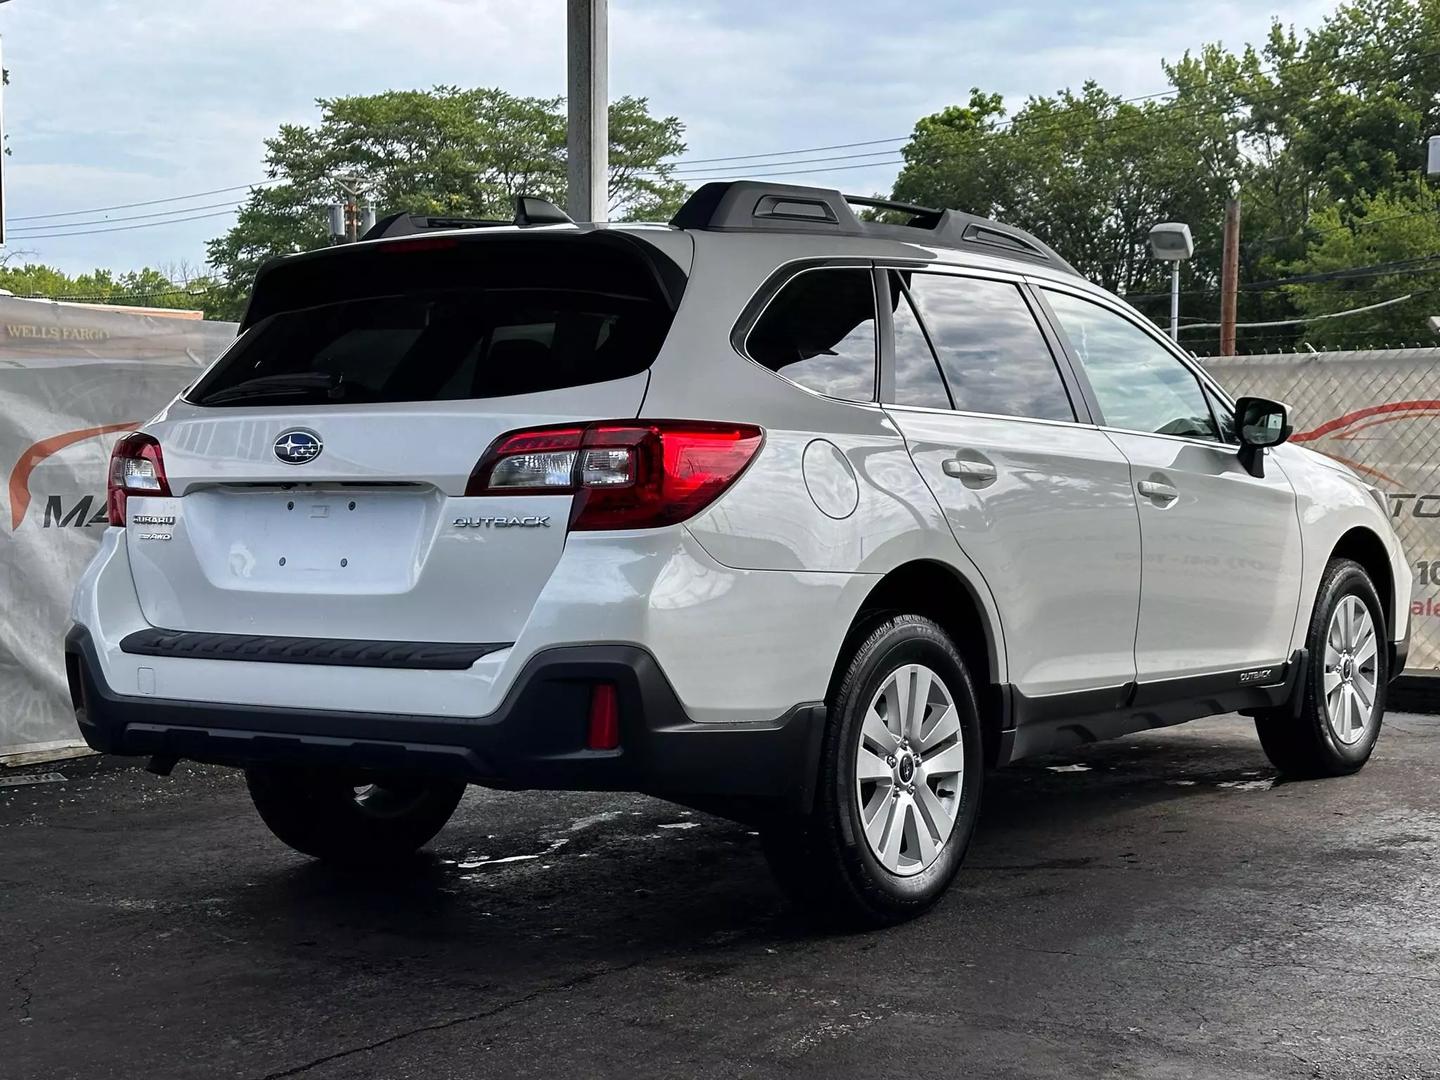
[[1155, 907]]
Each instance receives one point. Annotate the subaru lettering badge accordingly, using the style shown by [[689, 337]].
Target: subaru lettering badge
[[296, 447]]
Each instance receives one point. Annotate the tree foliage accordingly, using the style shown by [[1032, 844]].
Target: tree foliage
[[1317, 134], [446, 151], [171, 288]]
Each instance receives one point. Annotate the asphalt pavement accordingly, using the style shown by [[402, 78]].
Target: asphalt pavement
[[1153, 907]]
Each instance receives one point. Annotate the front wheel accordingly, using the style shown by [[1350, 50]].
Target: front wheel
[[899, 789], [339, 818], [1343, 702]]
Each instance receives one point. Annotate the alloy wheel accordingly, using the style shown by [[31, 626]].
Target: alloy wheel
[[1351, 670], [908, 769]]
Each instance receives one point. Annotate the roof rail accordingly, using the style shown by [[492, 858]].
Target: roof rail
[[753, 206], [529, 210]]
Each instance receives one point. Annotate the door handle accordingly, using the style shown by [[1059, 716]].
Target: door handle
[[1157, 489], [982, 472]]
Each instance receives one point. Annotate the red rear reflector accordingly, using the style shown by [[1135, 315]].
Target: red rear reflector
[[604, 717]]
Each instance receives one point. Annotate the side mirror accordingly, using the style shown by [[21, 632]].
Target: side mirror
[[1260, 423]]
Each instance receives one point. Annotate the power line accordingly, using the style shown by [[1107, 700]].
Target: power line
[[1309, 318], [147, 202], [1060, 121], [128, 228], [131, 217]]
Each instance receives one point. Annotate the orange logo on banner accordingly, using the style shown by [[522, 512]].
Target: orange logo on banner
[[38, 452]]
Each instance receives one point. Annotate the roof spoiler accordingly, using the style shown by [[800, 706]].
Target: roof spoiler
[[529, 210], [753, 206]]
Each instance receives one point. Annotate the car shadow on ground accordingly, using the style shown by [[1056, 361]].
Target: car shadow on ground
[[652, 878]]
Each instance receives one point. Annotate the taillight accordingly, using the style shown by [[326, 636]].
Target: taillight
[[625, 475], [136, 468]]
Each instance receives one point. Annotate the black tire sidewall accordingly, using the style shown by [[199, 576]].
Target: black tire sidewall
[[1344, 579], [900, 641]]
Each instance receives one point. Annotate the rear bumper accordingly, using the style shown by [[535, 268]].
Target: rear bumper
[[535, 739]]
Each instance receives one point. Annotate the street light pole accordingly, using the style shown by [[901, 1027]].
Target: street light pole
[[1175, 301], [1170, 241]]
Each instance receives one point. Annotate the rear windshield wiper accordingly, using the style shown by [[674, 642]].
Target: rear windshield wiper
[[320, 384]]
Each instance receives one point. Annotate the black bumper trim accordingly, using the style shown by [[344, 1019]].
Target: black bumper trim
[[535, 739], [329, 652]]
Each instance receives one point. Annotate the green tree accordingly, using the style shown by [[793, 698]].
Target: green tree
[[1314, 133], [1088, 172], [448, 151], [1400, 231], [173, 288]]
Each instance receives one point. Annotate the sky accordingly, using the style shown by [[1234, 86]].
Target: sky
[[114, 101]]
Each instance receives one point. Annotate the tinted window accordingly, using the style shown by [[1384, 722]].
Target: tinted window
[[819, 331], [990, 347], [1140, 385], [917, 375], [439, 318]]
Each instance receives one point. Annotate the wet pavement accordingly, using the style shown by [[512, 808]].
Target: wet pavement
[[1153, 907]]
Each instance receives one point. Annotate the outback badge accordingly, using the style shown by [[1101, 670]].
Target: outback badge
[[531, 522]]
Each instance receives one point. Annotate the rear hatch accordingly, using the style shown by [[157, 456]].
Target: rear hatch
[[317, 472]]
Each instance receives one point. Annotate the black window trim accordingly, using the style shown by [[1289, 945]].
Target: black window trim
[[760, 301], [1039, 286], [1080, 403]]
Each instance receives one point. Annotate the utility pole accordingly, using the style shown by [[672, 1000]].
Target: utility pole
[[1230, 277], [2, 148], [348, 219], [587, 137]]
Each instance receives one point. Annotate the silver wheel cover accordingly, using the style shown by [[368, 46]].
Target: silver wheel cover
[[908, 769], [1351, 676]]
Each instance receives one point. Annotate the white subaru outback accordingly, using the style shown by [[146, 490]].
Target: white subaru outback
[[773, 511]]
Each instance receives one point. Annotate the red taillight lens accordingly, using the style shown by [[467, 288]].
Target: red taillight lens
[[136, 468], [625, 475], [604, 731]]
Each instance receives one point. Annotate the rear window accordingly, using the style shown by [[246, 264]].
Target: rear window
[[469, 320]]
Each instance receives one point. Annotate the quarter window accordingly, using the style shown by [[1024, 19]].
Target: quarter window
[[1139, 384], [992, 352], [819, 331]]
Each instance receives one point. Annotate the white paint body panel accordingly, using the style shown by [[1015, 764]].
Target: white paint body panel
[[1054, 536], [1221, 575]]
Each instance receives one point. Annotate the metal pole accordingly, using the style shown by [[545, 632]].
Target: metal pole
[[1230, 277], [2, 152], [1175, 302], [588, 131]]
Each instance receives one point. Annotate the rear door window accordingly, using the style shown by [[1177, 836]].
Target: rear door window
[[505, 322], [819, 331], [991, 349]]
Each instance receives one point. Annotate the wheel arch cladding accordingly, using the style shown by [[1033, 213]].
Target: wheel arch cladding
[[938, 592], [1364, 547]]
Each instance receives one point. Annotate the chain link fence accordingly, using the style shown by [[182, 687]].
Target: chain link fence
[[1378, 411]]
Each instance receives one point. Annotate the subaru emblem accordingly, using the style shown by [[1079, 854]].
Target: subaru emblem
[[297, 446]]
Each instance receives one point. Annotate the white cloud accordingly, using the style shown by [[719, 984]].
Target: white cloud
[[113, 101]]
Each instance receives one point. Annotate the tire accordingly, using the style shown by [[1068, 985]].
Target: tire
[[826, 861], [326, 815], [1334, 733]]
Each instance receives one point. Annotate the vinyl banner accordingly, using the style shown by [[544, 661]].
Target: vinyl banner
[[72, 379], [1379, 413]]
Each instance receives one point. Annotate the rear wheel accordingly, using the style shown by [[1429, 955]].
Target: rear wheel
[[899, 787], [328, 815], [1343, 701]]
